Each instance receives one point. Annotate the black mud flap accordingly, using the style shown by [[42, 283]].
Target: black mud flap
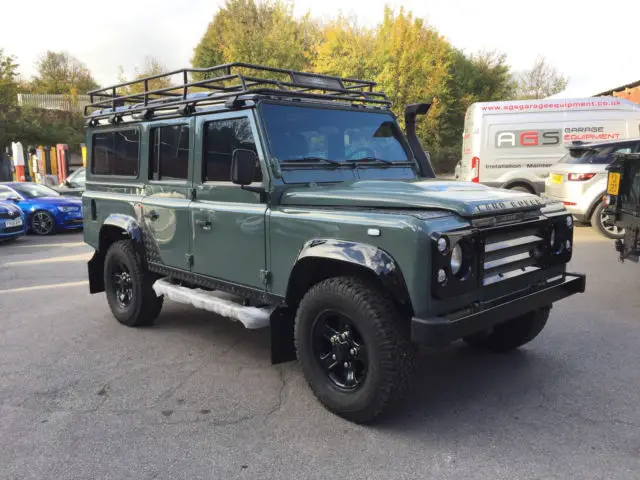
[[95, 268], [282, 345]]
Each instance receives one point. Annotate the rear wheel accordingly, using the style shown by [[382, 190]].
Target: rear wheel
[[128, 288], [604, 223], [512, 334], [353, 347]]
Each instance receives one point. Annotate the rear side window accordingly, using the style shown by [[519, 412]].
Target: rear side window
[[221, 138], [116, 153], [169, 153]]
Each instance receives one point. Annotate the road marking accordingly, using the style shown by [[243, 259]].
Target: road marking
[[69, 258], [47, 245], [43, 287]]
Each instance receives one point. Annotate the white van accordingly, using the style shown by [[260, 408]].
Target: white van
[[514, 144]]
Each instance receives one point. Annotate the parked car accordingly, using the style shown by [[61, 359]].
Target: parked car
[[516, 144], [579, 180], [12, 222], [44, 209], [73, 185]]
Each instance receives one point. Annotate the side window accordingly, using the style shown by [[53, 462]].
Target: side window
[[169, 153], [116, 153], [5, 192], [221, 138]]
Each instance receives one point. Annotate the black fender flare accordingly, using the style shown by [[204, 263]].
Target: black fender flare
[[114, 227], [370, 257]]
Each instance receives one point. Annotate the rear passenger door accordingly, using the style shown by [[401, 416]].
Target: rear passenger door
[[228, 222], [167, 194]]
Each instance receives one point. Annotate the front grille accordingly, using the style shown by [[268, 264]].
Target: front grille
[[510, 254], [9, 216], [16, 229]]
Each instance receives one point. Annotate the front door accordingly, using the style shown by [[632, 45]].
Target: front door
[[228, 222], [165, 205]]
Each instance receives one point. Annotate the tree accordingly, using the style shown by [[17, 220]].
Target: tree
[[62, 73], [541, 81], [151, 66], [8, 79], [261, 32]]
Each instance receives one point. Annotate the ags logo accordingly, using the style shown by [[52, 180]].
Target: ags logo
[[528, 138]]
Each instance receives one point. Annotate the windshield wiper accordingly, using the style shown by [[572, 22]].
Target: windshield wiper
[[371, 160], [311, 159]]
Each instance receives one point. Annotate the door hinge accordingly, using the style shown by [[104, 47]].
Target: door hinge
[[189, 258], [265, 276]]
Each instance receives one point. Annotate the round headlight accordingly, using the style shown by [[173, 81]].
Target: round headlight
[[456, 259]]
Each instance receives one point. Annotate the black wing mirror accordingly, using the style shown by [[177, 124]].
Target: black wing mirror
[[243, 166], [13, 198]]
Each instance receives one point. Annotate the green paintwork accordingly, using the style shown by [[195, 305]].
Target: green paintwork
[[233, 236]]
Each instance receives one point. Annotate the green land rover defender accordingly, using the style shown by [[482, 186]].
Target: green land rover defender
[[623, 202], [294, 201]]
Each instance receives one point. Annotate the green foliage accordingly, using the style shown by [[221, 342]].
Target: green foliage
[[61, 73], [8, 79]]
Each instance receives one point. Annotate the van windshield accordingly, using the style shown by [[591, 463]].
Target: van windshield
[[595, 155], [309, 137]]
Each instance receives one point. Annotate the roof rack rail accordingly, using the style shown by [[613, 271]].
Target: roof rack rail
[[217, 85]]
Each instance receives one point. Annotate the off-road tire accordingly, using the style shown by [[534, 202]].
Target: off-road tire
[[385, 333], [145, 306], [596, 223], [512, 334]]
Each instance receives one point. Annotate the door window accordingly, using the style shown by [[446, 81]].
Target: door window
[[221, 138], [169, 153]]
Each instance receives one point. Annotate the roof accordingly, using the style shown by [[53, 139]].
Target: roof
[[620, 88], [228, 85], [556, 104], [587, 145]]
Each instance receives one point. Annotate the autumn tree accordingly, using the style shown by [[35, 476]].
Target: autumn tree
[[8, 79], [261, 32], [62, 73], [541, 81], [151, 66]]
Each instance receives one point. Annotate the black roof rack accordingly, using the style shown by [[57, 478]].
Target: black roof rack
[[222, 84]]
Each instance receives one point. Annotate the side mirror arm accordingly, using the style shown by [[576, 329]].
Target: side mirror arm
[[424, 159]]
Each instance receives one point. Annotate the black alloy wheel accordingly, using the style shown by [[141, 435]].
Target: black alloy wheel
[[122, 285], [340, 350], [42, 223]]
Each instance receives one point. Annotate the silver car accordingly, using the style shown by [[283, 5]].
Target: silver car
[[579, 180]]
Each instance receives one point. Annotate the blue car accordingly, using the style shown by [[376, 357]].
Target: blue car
[[45, 210], [12, 222]]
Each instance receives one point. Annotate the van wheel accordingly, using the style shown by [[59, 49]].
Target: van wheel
[[521, 188], [604, 224], [511, 334], [128, 288], [354, 347]]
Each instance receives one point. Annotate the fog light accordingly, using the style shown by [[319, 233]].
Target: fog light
[[442, 276], [568, 244], [569, 221], [442, 244]]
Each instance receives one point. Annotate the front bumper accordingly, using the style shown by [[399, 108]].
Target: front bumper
[[579, 211], [440, 331]]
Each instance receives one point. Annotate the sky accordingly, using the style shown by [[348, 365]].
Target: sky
[[594, 45]]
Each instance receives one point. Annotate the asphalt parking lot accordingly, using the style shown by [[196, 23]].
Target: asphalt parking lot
[[82, 397]]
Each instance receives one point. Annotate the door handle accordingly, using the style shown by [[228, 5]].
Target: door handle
[[204, 224], [152, 215]]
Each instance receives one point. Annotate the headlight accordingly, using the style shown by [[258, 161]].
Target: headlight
[[69, 209], [456, 259]]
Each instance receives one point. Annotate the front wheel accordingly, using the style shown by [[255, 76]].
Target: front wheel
[[129, 288], [43, 223], [604, 223], [512, 334], [354, 348]]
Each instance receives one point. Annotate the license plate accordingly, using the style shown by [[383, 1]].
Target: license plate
[[13, 223], [556, 178], [613, 185]]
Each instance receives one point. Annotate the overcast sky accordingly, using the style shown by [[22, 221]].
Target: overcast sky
[[595, 45]]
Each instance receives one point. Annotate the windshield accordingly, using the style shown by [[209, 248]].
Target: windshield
[[77, 178], [331, 139], [595, 155], [33, 190]]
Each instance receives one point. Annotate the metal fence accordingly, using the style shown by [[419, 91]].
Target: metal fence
[[54, 102]]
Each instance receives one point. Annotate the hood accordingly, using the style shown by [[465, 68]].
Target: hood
[[464, 198], [61, 200], [8, 208]]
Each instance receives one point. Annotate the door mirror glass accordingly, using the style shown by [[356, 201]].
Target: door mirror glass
[[243, 166]]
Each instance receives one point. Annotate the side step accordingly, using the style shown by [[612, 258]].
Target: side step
[[217, 302]]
